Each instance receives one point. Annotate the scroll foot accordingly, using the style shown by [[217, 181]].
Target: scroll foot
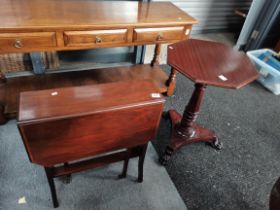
[[216, 144]]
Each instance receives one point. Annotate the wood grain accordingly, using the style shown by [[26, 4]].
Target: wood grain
[[206, 63], [82, 21], [154, 35], [51, 14], [79, 122], [86, 99], [26, 41], [11, 90], [211, 63], [95, 37]]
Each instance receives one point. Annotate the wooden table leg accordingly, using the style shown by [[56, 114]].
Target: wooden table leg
[[68, 177], [3, 80], [171, 82], [49, 173], [155, 60], [125, 164], [3, 118], [185, 130], [141, 162]]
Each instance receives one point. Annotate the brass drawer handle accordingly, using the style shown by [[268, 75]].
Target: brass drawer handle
[[98, 39], [18, 44], [159, 37]]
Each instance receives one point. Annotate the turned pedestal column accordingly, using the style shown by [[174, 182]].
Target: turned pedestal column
[[185, 130]]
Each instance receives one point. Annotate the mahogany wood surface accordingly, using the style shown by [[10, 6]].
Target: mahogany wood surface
[[90, 99], [209, 62], [60, 125], [11, 90], [73, 23], [206, 63]]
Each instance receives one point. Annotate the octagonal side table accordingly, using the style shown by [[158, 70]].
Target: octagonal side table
[[205, 63]]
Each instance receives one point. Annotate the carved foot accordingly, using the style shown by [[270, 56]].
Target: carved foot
[[166, 156], [67, 179], [216, 144]]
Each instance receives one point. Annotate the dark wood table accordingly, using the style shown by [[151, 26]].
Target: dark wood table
[[114, 121], [205, 63]]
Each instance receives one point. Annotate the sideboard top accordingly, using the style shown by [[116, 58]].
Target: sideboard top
[[42, 14]]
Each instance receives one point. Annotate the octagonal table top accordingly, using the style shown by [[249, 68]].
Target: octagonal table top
[[211, 63]]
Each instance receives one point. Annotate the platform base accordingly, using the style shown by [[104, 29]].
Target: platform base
[[178, 139]]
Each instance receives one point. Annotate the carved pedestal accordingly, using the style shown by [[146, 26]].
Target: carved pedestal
[[205, 63], [185, 130]]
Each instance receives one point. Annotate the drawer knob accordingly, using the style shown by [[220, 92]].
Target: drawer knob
[[98, 39], [18, 44], [159, 37]]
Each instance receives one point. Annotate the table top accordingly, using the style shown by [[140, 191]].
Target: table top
[[211, 63], [38, 14], [84, 100]]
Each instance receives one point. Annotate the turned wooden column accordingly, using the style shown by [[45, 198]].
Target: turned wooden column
[[186, 127], [171, 82], [155, 60]]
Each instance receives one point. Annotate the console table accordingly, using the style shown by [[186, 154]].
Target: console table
[[50, 25]]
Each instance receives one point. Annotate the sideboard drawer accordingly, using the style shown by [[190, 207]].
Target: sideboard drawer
[[157, 34], [95, 37], [13, 42]]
